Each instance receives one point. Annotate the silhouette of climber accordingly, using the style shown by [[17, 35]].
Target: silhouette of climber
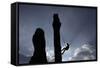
[[39, 55], [57, 46], [65, 48]]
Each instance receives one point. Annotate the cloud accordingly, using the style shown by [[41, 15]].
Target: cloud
[[85, 52], [50, 56], [23, 59]]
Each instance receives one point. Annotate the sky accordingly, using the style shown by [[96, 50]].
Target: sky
[[78, 28]]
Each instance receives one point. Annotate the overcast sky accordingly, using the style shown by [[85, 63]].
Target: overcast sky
[[78, 28]]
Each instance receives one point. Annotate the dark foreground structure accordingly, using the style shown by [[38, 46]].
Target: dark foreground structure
[[39, 55], [57, 45]]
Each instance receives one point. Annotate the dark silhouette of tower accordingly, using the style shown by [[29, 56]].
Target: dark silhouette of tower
[[57, 45], [39, 55]]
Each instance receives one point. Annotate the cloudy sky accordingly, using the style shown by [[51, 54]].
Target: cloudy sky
[[78, 28]]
